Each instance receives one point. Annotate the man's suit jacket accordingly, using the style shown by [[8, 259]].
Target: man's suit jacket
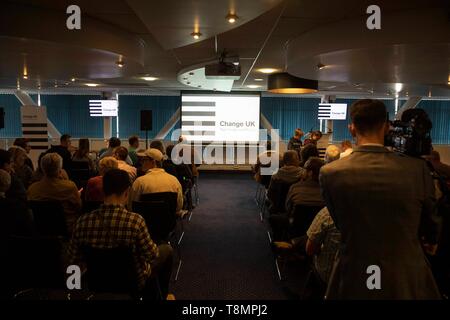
[[379, 200]]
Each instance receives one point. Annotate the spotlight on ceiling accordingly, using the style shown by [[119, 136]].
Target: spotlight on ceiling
[[73, 79], [120, 63], [259, 79], [267, 70], [196, 35], [92, 84], [232, 18], [284, 82], [149, 78], [253, 86], [25, 76], [320, 66]]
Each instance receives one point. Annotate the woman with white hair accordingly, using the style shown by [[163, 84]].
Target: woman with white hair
[[52, 188]]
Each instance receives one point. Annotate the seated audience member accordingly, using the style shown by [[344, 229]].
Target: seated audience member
[[383, 203], [112, 224], [347, 148], [53, 188], [113, 143], [121, 154], [280, 182], [63, 149], [182, 171], [155, 179], [94, 187], [308, 151], [307, 191], [295, 143], [82, 154], [16, 219], [158, 144], [24, 143], [332, 153], [133, 141], [267, 160], [21, 170], [16, 191], [39, 174], [441, 168]]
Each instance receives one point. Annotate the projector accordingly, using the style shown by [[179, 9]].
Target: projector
[[223, 70]]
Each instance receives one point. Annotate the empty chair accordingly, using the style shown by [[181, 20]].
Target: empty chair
[[49, 218]]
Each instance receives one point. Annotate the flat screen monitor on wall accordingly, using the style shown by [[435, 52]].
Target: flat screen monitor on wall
[[220, 117], [103, 108], [332, 111]]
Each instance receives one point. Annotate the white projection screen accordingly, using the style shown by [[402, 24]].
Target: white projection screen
[[220, 117]]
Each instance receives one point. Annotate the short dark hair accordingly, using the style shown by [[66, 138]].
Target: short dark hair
[[157, 144], [313, 165], [132, 140], [121, 153], [115, 182], [21, 142], [368, 115], [169, 150], [114, 142], [308, 151], [5, 157], [64, 138]]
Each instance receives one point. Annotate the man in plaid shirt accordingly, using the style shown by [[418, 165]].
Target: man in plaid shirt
[[112, 225]]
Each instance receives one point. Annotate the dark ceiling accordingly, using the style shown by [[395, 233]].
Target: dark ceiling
[[153, 39]]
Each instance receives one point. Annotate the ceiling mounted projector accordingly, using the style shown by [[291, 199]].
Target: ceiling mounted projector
[[228, 67]]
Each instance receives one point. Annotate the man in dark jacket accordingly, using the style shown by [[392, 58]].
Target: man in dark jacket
[[63, 150]]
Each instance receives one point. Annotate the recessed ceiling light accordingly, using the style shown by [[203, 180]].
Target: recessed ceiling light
[[398, 87], [199, 86], [120, 64], [196, 35], [232, 18], [188, 82], [267, 70], [73, 79], [25, 76], [320, 66], [253, 86], [259, 79], [191, 73], [92, 84], [149, 78]]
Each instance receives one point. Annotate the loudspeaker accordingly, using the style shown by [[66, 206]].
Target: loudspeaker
[[2, 118], [146, 120]]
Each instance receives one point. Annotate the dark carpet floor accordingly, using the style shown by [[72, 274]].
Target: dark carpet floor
[[225, 250]]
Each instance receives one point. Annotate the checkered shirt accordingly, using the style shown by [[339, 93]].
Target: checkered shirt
[[111, 226]]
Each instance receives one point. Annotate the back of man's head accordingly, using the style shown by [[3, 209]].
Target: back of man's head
[[51, 164], [64, 140], [332, 153], [21, 142], [368, 116], [313, 166], [157, 144], [5, 181], [5, 158], [121, 153], [133, 141], [290, 158], [115, 182], [308, 151], [114, 142]]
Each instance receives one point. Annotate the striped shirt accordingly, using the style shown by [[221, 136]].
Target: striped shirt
[[111, 226]]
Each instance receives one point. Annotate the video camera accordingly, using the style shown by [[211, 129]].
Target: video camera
[[411, 134]]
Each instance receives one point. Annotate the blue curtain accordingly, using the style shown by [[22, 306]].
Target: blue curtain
[[439, 113], [163, 107], [340, 127], [11, 107], [287, 114], [70, 114]]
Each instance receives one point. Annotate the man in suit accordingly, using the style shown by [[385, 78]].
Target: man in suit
[[383, 204]]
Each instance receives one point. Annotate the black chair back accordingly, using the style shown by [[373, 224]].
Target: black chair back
[[159, 212], [280, 190], [49, 218], [110, 270], [302, 219], [35, 262]]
